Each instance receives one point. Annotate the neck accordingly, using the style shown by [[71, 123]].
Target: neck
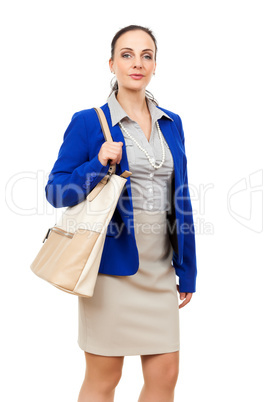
[[133, 102]]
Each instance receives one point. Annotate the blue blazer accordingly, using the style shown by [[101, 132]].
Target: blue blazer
[[77, 171]]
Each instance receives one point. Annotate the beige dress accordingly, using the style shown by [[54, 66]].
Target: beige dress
[[137, 314]]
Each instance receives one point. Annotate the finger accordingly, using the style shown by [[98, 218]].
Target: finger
[[182, 295], [112, 148], [111, 155], [113, 144], [186, 301], [182, 304], [114, 153], [189, 296], [119, 156], [178, 287], [116, 143]]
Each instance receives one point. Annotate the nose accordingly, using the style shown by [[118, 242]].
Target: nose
[[137, 62]]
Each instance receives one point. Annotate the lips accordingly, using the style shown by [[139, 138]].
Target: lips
[[136, 76]]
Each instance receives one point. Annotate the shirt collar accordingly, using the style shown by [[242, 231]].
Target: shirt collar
[[118, 113]]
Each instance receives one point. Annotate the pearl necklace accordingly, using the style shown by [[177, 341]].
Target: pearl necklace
[[144, 150]]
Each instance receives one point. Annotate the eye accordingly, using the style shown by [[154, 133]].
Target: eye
[[148, 56], [126, 55]]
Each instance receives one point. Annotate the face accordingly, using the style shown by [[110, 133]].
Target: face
[[134, 60]]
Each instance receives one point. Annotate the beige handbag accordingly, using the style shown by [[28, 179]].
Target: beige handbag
[[70, 256]]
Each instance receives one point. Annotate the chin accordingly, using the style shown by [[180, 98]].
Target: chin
[[136, 87]]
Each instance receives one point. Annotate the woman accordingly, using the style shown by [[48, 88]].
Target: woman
[[134, 309]]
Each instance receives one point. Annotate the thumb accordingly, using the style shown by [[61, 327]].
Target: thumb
[[182, 295]]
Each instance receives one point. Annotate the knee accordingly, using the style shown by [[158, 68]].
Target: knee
[[114, 378], [174, 374], [170, 376], [105, 381], [163, 379], [103, 372]]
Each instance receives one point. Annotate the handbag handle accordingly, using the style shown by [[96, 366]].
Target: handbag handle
[[108, 137], [106, 132]]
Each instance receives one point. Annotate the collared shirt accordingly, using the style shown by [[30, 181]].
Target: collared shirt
[[149, 186]]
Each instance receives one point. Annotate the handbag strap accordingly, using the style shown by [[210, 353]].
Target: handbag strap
[[107, 135], [104, 125], [112, 168]]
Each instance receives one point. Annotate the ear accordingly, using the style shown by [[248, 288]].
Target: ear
[[111, 64], [154, 68]]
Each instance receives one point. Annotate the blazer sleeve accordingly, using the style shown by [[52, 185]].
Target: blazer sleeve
[[73, 175], [187, 271]]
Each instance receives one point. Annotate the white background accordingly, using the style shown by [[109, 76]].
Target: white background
[[211, 70]]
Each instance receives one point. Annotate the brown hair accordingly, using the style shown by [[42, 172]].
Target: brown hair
[[114, 85]]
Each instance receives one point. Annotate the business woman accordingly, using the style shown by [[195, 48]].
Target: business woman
[[150, 239]]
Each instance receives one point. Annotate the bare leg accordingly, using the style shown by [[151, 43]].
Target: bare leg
[[160, 372], [101, 378]]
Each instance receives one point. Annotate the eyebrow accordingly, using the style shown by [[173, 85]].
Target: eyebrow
[[144, 50]]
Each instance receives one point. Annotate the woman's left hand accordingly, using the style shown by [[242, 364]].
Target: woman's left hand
[[186, 297]]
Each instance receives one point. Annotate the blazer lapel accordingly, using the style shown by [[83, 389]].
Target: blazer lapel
[[172, 137]]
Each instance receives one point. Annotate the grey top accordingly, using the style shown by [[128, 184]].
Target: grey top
[[149, 186]]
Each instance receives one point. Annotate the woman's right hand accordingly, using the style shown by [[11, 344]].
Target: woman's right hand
[[112, 151]]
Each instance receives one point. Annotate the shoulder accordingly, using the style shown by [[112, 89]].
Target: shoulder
[[85, 123], [85, 114], [86, 120], [89, 115], [176, 118]]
